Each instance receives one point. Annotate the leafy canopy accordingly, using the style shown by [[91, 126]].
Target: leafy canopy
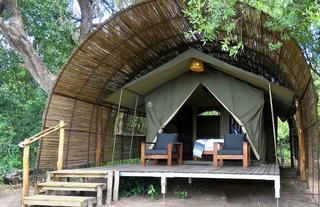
[[298, 19], [49, 26]]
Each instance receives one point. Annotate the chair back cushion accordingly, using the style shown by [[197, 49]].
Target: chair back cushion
[[164, 139], [234, 141]]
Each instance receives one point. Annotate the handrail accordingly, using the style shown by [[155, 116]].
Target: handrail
[[41, 135], [26, 152]]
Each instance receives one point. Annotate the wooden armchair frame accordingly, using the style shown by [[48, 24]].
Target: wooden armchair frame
[[218, 159], [168, 156]]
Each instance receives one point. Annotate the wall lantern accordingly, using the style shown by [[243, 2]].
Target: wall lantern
[[196, 65]]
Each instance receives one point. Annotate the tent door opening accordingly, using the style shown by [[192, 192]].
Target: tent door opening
[[201, 117]]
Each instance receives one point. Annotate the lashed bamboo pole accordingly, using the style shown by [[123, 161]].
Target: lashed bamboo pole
[[133, 126], [116, 125], [273, 124]]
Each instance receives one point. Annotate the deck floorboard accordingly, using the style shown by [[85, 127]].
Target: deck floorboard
[[270, 169]]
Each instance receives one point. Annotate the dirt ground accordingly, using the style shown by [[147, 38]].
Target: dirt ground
[[202, 193]]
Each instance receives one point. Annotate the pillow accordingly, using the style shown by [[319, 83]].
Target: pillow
[[163, 140], [233, 141]]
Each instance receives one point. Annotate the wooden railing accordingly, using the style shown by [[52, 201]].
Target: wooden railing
[[26, 152]]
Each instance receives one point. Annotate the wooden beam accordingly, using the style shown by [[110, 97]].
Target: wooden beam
[[98, 137], [61, 146], [302, 153], [25, 184]]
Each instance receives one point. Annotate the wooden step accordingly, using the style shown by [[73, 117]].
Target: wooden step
[[80, 173], [72, 186], [50, 200]]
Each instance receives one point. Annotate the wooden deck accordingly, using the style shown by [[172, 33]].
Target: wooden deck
[[193, 170]]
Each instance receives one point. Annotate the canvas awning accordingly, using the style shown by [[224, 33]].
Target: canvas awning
[[283, 97]]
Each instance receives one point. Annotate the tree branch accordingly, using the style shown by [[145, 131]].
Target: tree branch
[[310, 61], [15, 34]]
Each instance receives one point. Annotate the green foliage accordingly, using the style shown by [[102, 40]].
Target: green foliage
[[294, 19], [182, 194], [48, 25], [133, 186], [283, 142], [153, 192], [21, 103]]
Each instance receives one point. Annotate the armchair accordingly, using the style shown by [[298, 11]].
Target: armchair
[[166, 147], [234, 148]]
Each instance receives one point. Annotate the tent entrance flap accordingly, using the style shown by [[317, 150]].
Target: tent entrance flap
[[244, 102]]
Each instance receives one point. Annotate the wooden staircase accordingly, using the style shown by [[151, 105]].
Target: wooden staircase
[[54, 192], [43, 191]]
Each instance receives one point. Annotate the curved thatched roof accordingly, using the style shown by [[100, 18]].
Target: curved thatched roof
[[135, 41]]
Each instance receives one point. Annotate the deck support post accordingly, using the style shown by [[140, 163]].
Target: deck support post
[[190, 181], [116, 185], [99, 196], [277, 189], [61, 146], [302, 158], [163, 187], [109, 188], [98, 137]]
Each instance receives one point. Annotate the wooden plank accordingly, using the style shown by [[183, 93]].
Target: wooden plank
[[261, 170], [302, 153], [49, 200], [98, 137], [72, 184]]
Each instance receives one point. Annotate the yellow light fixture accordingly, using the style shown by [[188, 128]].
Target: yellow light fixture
[[197, 66]]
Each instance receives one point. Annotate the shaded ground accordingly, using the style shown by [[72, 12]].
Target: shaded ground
[[204, 192]]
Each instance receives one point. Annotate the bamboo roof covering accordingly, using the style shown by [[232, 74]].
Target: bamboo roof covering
[[135, 41]]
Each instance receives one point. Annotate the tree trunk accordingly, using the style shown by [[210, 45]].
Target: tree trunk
[[86, 7], [14, 32]]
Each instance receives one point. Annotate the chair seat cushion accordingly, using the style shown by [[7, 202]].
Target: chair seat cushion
[[229, 152], [156, 152]]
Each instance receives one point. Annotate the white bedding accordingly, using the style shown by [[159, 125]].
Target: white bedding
[[208, 143]]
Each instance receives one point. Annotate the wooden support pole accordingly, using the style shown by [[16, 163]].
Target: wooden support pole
[[25, 184], [61, 146], [273, 124], [116, 185], [290, 124], [109, 188], [163, 187], [98, 137], [302, 155]]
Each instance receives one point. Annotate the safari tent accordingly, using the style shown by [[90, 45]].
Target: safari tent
[[137, 64]]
